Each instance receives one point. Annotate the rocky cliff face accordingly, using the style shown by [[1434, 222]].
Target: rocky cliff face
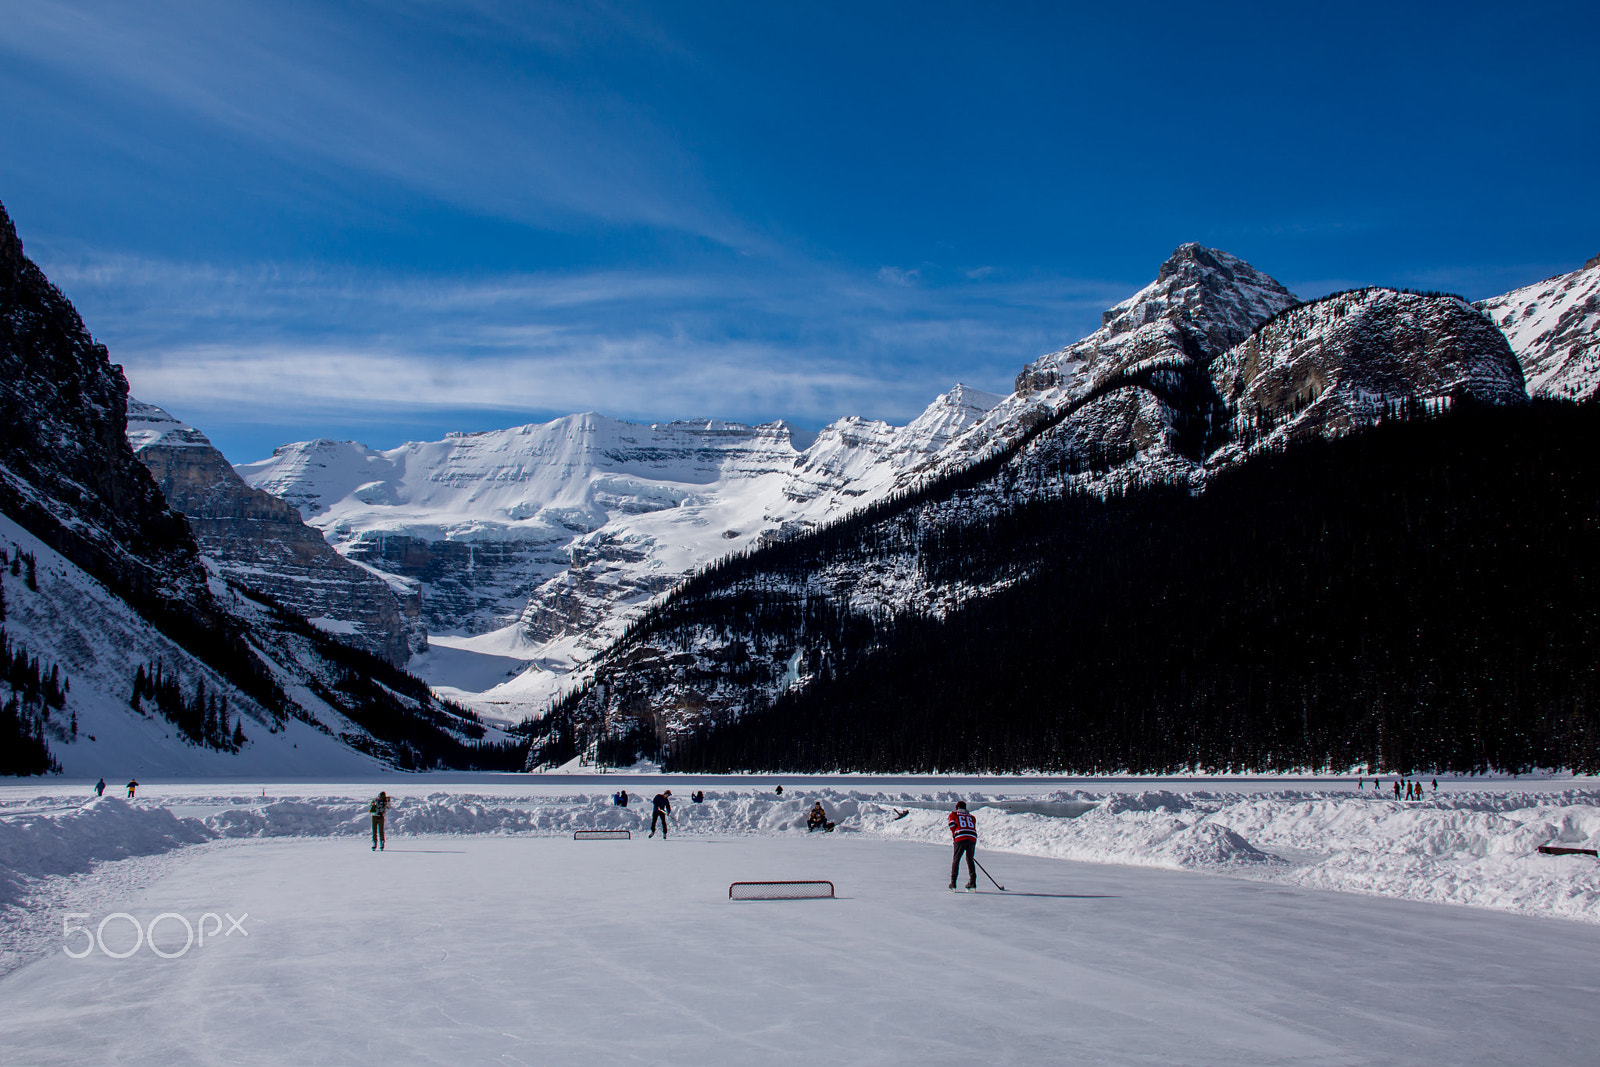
[[1340, 362], [260, 541], [67, 474], [1554, 328]]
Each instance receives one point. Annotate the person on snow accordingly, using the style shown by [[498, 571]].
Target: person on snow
[[662, 809], [133, 783], [779, 790], [697, 797], [620, 799], [100, 788], [818, 819], [964, 829], [1397, 789], [377, 809]]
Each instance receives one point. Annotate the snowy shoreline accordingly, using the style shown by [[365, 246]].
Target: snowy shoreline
[[1464, 847]]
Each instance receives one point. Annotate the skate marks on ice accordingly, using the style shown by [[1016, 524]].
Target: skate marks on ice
[[534, 949]]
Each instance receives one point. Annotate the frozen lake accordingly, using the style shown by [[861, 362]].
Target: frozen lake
[[541, 950]]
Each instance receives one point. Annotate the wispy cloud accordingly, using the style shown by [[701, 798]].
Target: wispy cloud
[[344, 86], [296, 345]]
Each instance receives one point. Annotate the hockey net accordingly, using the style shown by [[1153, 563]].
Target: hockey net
[[601, 835], [813, 890]]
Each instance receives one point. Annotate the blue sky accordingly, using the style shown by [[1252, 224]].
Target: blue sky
[[389, 220]]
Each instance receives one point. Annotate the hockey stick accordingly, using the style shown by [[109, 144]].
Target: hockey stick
[[987, 875]]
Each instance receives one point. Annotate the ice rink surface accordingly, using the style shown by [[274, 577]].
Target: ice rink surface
[[541, 950]]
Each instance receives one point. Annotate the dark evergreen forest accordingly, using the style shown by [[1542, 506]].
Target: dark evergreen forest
[[1420, 595]]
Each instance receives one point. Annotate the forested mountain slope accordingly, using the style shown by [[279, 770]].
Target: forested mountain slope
[[1149, 409], [1417, 595]]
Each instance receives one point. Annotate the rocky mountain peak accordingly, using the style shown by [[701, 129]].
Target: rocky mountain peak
[[1208, 289], [1203, 302]]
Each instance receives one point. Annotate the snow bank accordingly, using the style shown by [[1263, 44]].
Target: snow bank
[[1461, 848], [58, 842], [1467, 849]]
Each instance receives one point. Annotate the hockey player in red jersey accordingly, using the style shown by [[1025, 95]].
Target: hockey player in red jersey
[[964, 829]]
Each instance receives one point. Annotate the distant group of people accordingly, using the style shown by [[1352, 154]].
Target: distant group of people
[[1411, 790], [1404, 788], [100, 787]]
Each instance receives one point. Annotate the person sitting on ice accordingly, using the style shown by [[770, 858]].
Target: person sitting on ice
[[697, 797], [818, 820]]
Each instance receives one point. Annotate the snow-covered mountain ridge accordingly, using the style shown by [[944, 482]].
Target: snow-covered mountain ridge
[[553, 533], [1554, 326]]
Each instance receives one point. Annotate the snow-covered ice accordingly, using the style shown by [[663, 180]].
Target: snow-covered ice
[[1201, 933]]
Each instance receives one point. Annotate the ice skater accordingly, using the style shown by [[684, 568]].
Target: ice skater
[[133, 783], [662, 809], [378, 809], [964, 829]]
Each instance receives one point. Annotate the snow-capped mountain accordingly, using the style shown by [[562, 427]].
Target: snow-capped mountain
[[1554, 328], [1182, 382], [259, 541], [125, 652], [539, 542]]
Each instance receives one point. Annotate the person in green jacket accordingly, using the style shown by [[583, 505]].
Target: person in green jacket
[[378, 808]]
